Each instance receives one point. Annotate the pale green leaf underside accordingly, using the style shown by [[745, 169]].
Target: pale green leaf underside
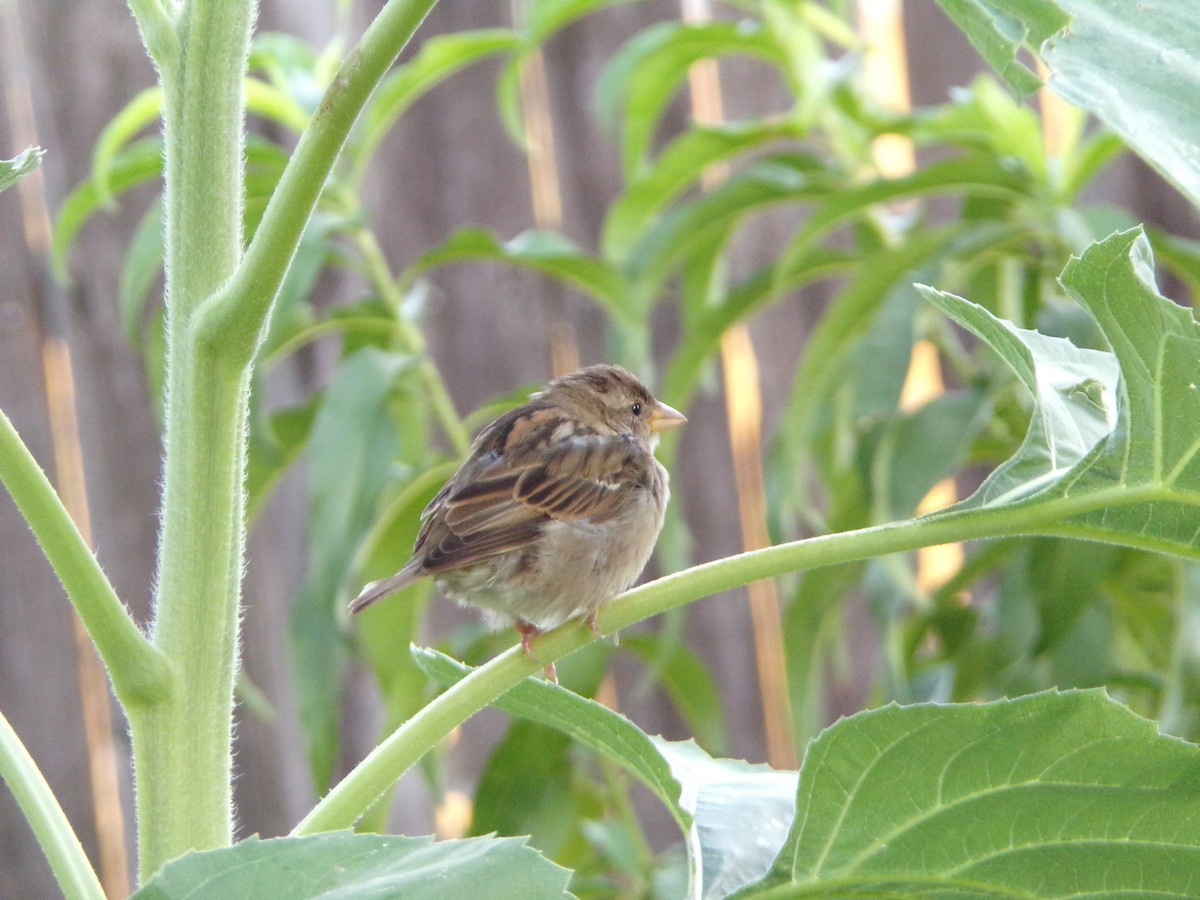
[[1135, 66], [1055, 795]]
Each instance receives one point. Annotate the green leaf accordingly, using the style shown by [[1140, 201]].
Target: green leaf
[[541, 251], [1055, 795], [676, 169], [1074, 394], [438, 58], [715, 802], [640, 80], [135, 164], [364, 866], [1135, 67], [143, 264], [351, 448], [134, 116], [741, 811], [1000, 29], [587, 721], [688, 684], [11, 170], [778, 179], [1124, 453]]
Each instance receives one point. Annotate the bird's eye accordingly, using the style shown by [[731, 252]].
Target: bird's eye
[[636, 409]]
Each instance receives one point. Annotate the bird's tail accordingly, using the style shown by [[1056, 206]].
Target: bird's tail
[[377, 590]]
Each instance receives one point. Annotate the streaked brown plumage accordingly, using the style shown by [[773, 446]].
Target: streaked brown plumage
[[556, 509]]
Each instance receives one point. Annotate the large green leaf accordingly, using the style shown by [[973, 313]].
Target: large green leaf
[[1053, 795], [363, 866], [1135, 66], [1111, 459], [19, 166]]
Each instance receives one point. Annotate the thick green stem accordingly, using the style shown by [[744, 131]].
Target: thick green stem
[[217, 305], [182, 747]]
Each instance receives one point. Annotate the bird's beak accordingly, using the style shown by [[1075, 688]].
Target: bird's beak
[[665, 417]]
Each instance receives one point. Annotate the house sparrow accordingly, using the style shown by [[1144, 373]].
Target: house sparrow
[[556, 509]]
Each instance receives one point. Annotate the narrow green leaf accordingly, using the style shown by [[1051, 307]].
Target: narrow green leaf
[[586, 721], [143, 265], [547, 17], [41, 808], [688, 684], [541, 251], [438, 59], [363, 866], [766, 182], [137, 163], [138, 114], [1056, 795], [351, 448], [641, 78], [11, 170], [677, 168]]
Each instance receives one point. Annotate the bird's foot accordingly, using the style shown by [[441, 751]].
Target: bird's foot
[[591, 621], [528, 633]]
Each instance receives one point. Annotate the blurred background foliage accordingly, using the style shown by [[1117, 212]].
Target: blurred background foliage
[[733, 202]]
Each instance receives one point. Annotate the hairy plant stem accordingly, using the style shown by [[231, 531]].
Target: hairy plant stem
[[183, 745], [218, 302]]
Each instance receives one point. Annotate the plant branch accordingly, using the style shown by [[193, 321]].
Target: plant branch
[[236, 316], [342, 806], [139, 672], [54, 834], [157, 27], [414, 342]]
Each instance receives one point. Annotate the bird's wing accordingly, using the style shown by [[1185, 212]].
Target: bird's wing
[[501, 502]]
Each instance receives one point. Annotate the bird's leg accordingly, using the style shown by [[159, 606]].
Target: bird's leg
[[528, 633]]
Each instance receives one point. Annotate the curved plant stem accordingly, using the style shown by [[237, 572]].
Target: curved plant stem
[[236, 316], [54, 834], [342, 806], [139, 672]]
